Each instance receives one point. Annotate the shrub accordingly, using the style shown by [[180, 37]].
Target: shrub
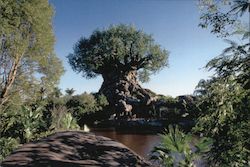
[[88, 107], [167, 99], [7, 145], [225, 118], [62, 119], [175, 148], [81, 104], [177, 109], [22, 123]]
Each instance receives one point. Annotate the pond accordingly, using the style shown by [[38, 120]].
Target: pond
[[140, 143]]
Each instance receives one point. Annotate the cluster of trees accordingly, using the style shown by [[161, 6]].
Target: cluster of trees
[[31, 105], [223, 100], [31, 121], [174, 110], [29, 69], [123, 56]]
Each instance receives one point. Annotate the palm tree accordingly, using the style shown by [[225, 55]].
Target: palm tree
[[175, 148], [240, 7], [70, 92]]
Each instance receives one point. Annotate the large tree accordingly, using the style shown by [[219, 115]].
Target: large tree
[[120, 54], [26, 48]]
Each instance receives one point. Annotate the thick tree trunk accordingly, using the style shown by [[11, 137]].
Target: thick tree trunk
[[125, 94]]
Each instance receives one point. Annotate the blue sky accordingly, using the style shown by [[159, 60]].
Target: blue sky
[[173, 24]]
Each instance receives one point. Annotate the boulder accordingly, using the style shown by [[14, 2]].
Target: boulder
[[73, 149]]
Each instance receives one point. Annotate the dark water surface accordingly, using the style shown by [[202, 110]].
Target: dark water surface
[[140, 143]]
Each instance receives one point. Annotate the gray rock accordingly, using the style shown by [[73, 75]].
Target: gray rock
[[74, 149]]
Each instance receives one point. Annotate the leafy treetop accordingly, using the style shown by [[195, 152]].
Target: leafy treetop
[[27, 47], [224, 16], [119, 48]]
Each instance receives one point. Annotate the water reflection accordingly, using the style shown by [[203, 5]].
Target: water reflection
[[142, 144]]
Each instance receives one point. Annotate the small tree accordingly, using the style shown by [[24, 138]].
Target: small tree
[[27, 61], [120, 54]]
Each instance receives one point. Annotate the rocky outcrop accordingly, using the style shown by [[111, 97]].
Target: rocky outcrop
[[74, 149]]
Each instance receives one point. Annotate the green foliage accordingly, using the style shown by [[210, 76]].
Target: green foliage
[[225, 98], [81, 104], [120, 49], [167, 99], [87, 105], [175, 148], [27, 61], [28, 123], [101, 101], [29, 71], [70, 92], [68, 122], [7, 145], [31, 120], [234, 61], [222, 22], [174, 110], [225, 118], [62, 119], [23, 123]]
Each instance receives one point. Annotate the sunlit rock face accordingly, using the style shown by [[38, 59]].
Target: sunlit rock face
[[73, 149]]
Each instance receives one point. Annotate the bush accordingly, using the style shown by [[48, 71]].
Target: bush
[[167, 99], [225, 118], [7, 145], [81, 104], [62, 119], [175, 148], [27, 123], [22, 123], [88, 107], [177, 109]]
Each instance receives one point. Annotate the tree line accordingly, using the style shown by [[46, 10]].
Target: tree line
[[32, 106]]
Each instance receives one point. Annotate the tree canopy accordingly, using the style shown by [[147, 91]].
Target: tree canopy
[[119, 48], [27, 47], [224, 16], [224, 99]]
